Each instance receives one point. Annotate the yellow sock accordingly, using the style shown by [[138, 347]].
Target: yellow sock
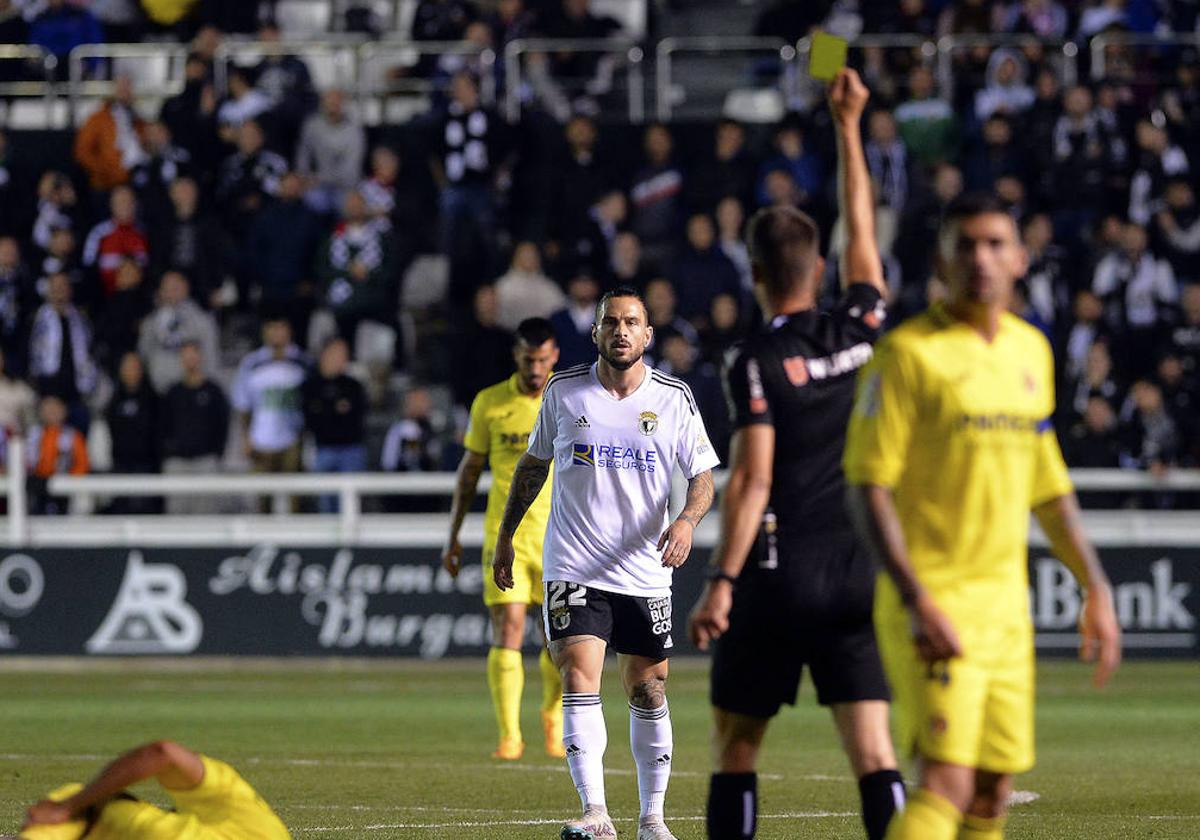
[[552, 712], [981, 828], [926, 816], [506, 679], [551, 685]]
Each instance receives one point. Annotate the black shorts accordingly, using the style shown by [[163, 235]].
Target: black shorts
[[628, 623], [813, 609]]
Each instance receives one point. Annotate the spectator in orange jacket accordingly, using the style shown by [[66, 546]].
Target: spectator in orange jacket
[[109, 145], [54, 448]]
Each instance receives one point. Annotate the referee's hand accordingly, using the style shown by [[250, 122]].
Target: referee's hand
[[676, 544], [502, 563], [710, 616]]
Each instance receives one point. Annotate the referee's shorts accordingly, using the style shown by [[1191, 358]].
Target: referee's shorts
[[813, 608]]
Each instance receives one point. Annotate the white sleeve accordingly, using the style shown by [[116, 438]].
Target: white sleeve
[[545, 428], [693, 450]]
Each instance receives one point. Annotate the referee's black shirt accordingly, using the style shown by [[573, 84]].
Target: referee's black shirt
[[798, 375]]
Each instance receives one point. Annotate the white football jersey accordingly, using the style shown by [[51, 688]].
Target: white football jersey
[[613, 461]]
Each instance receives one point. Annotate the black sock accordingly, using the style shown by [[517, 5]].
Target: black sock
[[882, 795], [732, 806]]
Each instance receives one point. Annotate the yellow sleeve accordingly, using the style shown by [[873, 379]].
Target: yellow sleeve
[[1050, 478], [219, 782], [881, 424], [479, 437]]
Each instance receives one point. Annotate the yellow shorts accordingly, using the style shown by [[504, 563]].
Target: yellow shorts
[[976, 710], [527, 578]]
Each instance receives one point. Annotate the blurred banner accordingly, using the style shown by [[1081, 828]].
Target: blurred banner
[[272, 601]]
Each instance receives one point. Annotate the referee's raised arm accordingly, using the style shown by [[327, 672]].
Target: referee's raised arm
[[860, 261]]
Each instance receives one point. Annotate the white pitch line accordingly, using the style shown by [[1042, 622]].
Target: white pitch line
[[391, 826], [378, 764], [52, 757]]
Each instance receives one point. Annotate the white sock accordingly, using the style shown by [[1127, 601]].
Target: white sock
[[652, 743], [585, 738]]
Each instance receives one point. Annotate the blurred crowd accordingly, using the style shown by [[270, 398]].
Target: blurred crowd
[[250, 278]]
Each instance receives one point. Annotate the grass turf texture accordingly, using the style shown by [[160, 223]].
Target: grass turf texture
[[402, 750]]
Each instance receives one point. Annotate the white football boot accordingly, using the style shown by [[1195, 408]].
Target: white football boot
[[593, 825], [653, 828]]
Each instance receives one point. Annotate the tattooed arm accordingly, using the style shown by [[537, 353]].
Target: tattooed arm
[[469, 469], [699, 499], [676, 542], [527, 482]]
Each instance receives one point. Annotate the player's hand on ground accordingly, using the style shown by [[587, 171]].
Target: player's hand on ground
[[936, 638], [1100, 634], [452, 557], [47, 812], [676, 544], [847, 96], [502, 564], [710, 616]]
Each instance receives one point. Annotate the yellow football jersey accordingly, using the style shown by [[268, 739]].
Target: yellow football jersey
[[222, 807], [960, 429], [501, 420]]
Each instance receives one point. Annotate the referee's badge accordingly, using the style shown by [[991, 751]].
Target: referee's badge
[[648, 422]]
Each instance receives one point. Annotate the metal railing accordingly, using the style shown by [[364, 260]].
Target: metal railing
[[30, 57], [949, 44], [166, 76], [1102, 42], [340, 52], [668, 48], [352, 62], [372, 78], [516, 77]]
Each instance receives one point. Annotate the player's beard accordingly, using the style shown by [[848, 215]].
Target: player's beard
[[620, 364]]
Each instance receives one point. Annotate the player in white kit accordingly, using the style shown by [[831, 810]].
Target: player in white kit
[[615, 431]]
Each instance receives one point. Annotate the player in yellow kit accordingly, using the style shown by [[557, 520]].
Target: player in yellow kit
[[212, 802], [949, 448], [502, 417]]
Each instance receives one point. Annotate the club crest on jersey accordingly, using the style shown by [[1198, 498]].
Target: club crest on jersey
[[560, 618], [648, 422]]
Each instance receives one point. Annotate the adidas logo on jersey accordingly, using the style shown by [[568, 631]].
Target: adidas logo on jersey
[[582, 423]]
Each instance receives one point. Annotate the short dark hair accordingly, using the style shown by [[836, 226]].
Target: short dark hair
[[619, 292], [785, 242], [535, 332], [969, 205]]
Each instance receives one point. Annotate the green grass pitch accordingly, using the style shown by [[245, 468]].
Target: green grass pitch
[[402, 749]]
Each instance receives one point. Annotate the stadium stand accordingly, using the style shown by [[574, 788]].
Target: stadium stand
[[375, 169]]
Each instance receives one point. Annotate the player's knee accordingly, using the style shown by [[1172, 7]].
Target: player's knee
[[991, 795], [574, 678], [871, 758], [648, 693], [952, 782], [735, 752]]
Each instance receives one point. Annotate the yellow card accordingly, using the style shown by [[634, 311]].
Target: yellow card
[[826, 56]]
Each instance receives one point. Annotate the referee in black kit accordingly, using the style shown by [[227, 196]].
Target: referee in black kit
[[789, 586]]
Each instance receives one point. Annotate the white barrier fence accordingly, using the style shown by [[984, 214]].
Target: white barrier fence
[[352, 526]]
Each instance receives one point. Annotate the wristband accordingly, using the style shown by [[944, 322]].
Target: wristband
[[717, 574]]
